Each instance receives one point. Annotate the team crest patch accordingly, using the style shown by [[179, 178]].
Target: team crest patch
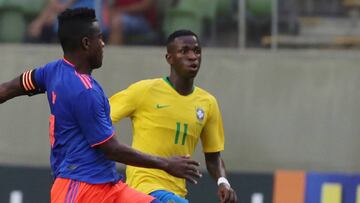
[[200, 114]]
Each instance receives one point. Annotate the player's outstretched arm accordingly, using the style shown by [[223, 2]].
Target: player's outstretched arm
[[216, 167], [178, 166], [11, 89]]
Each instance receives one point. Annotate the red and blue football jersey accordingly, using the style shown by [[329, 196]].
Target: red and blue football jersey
[[79, 121]]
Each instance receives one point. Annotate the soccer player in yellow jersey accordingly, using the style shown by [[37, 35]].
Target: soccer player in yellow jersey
[[169, 116]]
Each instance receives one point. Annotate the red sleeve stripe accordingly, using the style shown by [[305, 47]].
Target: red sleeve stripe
[[84, 80], [112, 135], [27, 81], [87, 80]]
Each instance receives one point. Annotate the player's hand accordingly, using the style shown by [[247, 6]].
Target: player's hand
[[226, 194], [183, 167]]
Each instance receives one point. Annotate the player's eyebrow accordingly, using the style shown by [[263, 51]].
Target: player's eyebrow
[[187, 46]]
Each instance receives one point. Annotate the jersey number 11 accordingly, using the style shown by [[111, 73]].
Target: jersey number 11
[[177, 135]]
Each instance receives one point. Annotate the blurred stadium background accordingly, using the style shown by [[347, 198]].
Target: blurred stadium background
[[285, 73]]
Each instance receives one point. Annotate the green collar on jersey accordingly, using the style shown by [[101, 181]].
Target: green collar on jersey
[[167, 80]]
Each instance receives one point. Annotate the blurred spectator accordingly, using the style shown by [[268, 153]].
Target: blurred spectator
[[131, 18], [44, 27]]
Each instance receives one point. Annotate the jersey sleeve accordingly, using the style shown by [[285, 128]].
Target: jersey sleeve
[[92, 114], [212, 135], [33, 82], [124, 103]]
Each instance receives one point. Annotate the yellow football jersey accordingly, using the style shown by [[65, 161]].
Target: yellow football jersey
[[165, 124]]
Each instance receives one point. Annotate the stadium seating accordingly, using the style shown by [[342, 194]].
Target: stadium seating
[[224, 8], [181, 19], [28, 7], [351, 3], [33, 8], [207, 8], [259, 7], [13, 15], [12, 23], [189, 14]]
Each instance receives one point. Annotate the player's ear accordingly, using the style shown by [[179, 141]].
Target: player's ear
[[85, 43], [168, 58]]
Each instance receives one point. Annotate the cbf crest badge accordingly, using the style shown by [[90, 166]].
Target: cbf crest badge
[[200, 114]]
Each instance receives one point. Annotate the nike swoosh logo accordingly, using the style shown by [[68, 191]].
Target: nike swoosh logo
[[159, 106]]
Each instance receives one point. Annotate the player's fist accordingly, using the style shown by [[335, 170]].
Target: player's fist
[[226, 194], [183, 167]]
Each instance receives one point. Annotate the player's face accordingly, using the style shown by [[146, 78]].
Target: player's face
[[96, 47], [185, 56]]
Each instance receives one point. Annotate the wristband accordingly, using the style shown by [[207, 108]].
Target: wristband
[[223, 180]]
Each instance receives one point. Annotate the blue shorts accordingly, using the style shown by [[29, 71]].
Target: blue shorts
[[168, 197]]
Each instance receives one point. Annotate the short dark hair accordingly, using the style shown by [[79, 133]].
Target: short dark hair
[[74, 24], [180, 33]]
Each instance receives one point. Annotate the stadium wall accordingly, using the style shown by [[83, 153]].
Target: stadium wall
[[281, 110]]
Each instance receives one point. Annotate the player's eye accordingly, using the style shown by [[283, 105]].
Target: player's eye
[[183, 51], [197, 51]]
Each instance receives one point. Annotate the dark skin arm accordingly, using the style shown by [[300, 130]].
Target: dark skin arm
[[216, 168], [11, 89], [178, 166]]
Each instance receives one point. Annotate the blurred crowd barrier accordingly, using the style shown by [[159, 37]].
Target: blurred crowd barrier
[[280, 186], [219, 23]]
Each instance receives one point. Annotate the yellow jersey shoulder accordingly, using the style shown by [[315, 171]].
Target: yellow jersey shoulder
[[144, 86], [205, 94]]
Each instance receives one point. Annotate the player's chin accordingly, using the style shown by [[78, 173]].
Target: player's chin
[[97, 62], [97, 65], [192, 73]]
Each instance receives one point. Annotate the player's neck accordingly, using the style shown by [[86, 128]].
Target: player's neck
[[182, 86], [80, 65]]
